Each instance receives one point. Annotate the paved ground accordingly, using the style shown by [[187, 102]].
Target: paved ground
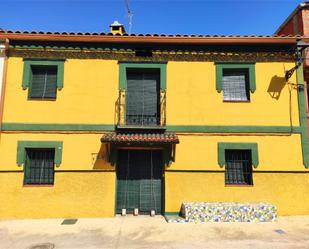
[[147, 232]]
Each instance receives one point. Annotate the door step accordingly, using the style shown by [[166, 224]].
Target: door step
[[136, 212]]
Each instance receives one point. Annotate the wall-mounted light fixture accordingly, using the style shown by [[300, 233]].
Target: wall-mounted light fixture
[[300, 47]]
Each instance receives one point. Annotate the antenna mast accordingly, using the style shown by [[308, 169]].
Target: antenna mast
[[130, 15]]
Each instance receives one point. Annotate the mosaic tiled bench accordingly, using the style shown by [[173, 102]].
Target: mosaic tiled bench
[[226, 212]]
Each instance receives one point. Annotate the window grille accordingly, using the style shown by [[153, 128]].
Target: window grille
[[43, 82], [238, 167], [39, 166], [235, 85]]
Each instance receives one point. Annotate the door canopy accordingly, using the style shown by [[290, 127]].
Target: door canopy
[[140, 138], [166, 141]]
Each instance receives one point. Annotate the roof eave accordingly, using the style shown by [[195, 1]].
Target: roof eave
[[286, 40]]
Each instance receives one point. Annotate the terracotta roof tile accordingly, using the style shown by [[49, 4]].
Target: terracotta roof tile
[[182, 39], [137, 138], [142, 35]]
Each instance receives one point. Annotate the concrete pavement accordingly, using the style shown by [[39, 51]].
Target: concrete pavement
[[153, 232]]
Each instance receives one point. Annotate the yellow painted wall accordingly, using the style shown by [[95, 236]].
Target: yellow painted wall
[[79, 150], [200, 151], [88, 192], [88, 96], [74, 195], [91, 90], [194, 152], [192, 98], [289, 192], [92, 194]]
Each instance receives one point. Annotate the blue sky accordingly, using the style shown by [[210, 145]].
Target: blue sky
[[149, 16]]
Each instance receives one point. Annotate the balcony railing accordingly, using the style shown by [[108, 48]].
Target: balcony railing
[[141, 109]]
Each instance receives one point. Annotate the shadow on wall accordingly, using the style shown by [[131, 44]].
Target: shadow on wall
[[276, 86], [99, 160]]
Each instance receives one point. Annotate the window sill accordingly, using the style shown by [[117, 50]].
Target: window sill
[[238, 185], [38, 99], [38, 185], [236, 101]]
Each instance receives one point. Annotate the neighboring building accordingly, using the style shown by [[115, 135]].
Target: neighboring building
[[297, 23], [94, 123]]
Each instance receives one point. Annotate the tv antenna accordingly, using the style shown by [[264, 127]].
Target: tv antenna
[[130, 15]]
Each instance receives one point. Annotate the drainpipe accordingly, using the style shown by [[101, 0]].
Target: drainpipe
[[4, 46]]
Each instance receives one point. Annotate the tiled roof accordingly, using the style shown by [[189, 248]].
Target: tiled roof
[[136, 138], [3, 31], [184, 39]]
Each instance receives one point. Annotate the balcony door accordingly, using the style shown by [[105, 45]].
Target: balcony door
[[143, 97]]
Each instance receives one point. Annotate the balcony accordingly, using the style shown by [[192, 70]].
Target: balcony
[[141, 110]]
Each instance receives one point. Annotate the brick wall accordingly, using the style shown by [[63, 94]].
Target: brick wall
[[294, 26], [305, 17]]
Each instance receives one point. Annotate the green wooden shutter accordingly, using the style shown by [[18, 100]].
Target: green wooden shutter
[[139, 181], [43, 82], [142, 99]]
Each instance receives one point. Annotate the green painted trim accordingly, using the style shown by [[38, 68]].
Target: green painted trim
[[238, 146], [56, 127], [26, 75], [172, 213], [223, 171], [11, 171], [85, 171], [302, 115], [115, 197], [23, 145], [66, 171], [170, 171], [169, 128], [233, 129], [42, 62], [123, 72], [193, 171], [43, 59], [221, 66]]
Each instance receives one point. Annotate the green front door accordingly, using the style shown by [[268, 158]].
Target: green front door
[[139, 181]]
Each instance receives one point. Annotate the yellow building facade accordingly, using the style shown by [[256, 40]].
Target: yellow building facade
[[92, 145]]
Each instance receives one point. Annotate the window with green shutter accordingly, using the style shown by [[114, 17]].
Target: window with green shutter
[[143, 97], [43, 83], [235, 80], [43, 77], [39, 166]]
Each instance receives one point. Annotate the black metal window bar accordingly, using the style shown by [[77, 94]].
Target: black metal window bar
[[142, 108], [43, 82], [238, 167], [235, 85], [39, 166]]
